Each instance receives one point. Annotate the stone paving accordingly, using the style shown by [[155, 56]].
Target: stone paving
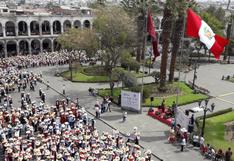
[[209, 77]]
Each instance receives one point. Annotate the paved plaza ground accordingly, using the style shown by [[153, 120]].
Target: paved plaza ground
[[153, 133]]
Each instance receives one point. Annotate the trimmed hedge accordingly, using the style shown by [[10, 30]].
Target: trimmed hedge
[[221, 112]]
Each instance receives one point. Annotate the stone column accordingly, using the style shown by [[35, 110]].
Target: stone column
[[41, 46], [52, 45], [51, 28], [4, 31], [16, 29], [72, 24], [17, 48], [29, 47], [5, 49], [91, 26], [40, 28], [29, 30], [61, 28]]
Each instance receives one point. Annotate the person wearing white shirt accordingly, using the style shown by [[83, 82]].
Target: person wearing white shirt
[[201, 141], [183, 143]]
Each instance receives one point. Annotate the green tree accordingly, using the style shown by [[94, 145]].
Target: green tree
[[228, 48], [117, 32], [97, 4], [78, 40], [129, 63], [219, 13], [216, 25], [127, 78]]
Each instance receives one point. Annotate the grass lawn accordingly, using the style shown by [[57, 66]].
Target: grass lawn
[[186, 94], [231, 80], [214, 131], [81, 76]]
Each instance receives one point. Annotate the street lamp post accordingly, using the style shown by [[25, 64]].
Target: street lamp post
[[70, 66], [205, 109], [198, 47]]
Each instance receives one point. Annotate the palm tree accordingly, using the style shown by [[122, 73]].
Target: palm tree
[[167, 27], [137, 9], [228, 5], [177, 34], [178, 31]]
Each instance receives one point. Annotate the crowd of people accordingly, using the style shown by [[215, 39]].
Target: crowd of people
[[182, 137], [62, 132], [46, 59], [33, 130]]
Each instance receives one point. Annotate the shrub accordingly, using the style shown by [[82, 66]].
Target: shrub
[[136, 89], [128, 62], [156, 76], [128, 79], [118, 73], [146, 93], [149, 63], [176, 79], [134, 65], [94, 70], [213, 115]]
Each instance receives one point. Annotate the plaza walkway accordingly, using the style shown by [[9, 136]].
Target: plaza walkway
[[153, 133]]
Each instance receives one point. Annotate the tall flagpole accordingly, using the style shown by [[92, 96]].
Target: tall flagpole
[[181, 53]]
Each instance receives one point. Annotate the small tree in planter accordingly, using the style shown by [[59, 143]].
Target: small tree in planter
[[156, 76]]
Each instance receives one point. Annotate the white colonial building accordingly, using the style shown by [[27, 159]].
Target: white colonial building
[[33, 32]]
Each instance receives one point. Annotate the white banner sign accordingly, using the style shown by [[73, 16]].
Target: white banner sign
[[131, 100], [182, 119]]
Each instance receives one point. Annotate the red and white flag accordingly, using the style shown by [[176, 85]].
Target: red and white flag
[[197, 28], [152, 33]]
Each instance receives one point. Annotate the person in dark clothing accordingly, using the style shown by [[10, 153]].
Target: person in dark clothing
[[228, 155], [40, 92]]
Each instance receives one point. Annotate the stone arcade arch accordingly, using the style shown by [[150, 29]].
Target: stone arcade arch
[[10, 28], [34, 28], [56, 45], [2, 53], [66, 25], [35, 46], [56, 27], [86, 24], [24, 47], [1, 30], [11, 48], [77, 24], [22, 28], [47, 45], [46, 28]]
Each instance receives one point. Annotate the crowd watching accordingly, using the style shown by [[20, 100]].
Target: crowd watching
[[180, 136], [33, 130], [47, 59]]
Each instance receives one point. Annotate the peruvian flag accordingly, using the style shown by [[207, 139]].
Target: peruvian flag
[[152, 33], [197, 28]]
